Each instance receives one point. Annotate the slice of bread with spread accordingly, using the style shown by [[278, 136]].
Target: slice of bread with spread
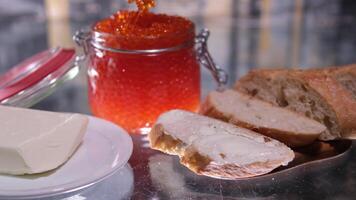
[[284, 125], [214, 148]]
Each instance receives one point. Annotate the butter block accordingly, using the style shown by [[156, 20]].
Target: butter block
[[33, 141]]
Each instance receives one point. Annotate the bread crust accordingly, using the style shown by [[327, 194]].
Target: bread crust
[[325, 84], [336, 96], [291, 139], [203, 165], [346, 76], [335, 71]]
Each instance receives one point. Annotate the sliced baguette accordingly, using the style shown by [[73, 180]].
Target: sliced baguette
[[317, 94], [281, 124], [214, 148], [346, 76]]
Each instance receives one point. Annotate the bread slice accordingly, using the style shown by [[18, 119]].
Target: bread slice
[[346, 76], [317, 94], [281, 124], [214, 148]]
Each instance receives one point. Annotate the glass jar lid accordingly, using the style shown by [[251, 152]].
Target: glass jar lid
[[36, 77]]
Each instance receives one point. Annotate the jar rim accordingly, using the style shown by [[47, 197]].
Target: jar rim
[[97, 40], [186, 44], [191, 30]]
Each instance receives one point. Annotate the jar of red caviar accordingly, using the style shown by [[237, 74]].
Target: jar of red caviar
[[142, 64]]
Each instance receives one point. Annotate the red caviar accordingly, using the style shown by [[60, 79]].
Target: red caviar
[[133, 89], [143, 5], [133, 30]]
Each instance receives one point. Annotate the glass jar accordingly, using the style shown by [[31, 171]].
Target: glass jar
[[132, 87]]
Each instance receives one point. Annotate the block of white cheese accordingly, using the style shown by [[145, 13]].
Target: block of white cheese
[[33, 141]]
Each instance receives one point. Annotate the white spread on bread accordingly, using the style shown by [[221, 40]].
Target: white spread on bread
[[223, 144]]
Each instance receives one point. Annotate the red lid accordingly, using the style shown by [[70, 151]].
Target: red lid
[[33, 70]]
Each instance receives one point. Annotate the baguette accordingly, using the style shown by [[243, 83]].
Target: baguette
[[318, 94], [284, 125], [214, 148], [346, 76]]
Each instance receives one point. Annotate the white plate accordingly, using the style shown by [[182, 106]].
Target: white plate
[[105, 149]]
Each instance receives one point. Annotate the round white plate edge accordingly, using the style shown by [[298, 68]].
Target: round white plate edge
[[80, 185]]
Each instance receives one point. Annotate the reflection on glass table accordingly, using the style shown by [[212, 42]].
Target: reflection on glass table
[[119, 186]]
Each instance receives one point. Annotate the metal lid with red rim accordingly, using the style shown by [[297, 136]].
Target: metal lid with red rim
[[36, 77]]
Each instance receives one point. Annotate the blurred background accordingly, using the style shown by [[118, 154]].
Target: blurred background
[[245, 34]]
